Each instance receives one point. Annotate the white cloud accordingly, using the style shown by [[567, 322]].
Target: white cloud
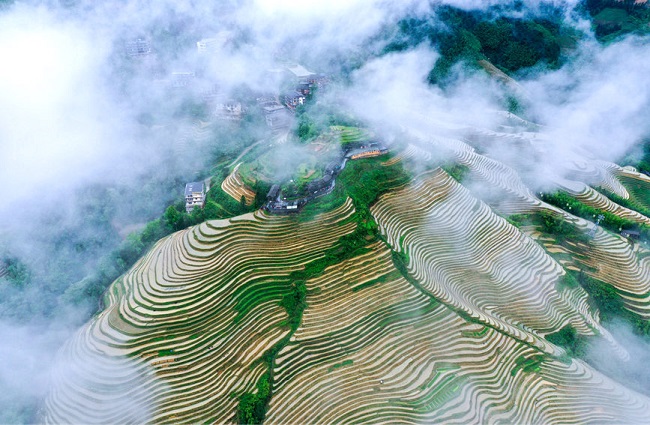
[[598, 102], [54, 123]]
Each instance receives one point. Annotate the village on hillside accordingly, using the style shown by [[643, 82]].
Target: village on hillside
[[277, 108]]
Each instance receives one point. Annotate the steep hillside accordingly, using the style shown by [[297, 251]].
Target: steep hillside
[[192, 319], [436, 301]]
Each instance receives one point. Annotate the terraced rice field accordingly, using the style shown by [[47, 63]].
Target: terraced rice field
[[352, 134], [593, 198], [638, 185], [610, 258], [442, 318], [431, 366], [190, 320], [234, 186], [470, 258]]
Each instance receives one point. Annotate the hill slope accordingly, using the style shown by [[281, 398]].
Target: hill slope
[[447, 313]]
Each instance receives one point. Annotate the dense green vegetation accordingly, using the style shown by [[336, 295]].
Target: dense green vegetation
[[314, 119], [642, 164], [568, 337], [509, 43], [14, 271], [457, 171], [553, 225], [253, 406], [610, 221], [363, 180], [610, 304], [612, 19]]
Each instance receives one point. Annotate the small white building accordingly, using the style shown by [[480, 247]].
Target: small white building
[[228, 109], [138, 47], [194, 196], [214, 44], [181, 79]]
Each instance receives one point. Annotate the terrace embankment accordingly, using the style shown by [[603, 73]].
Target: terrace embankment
[[234, 186], [468, 257], [192, 318], [373, 347], [413, 301]]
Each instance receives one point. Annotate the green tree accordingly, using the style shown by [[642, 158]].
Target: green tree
[[197, 216], [211, 210], [518, 55], [493, 35], [173, 218]]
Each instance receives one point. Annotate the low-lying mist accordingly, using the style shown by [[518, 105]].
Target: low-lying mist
[[96, 142]]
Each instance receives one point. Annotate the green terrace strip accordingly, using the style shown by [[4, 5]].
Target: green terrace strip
[[627, 203], [639, 189], [528, 364], [552, 224], [342, 364], [611, 221], [370, 179]]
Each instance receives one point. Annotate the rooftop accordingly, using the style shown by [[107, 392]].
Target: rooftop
[[138, 47], [293, 95], [300, 71], [193, 187], [273, 108]]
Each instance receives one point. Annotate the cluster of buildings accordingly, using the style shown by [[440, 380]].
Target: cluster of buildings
[[223, 107], [277, 108], [305, 83]]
